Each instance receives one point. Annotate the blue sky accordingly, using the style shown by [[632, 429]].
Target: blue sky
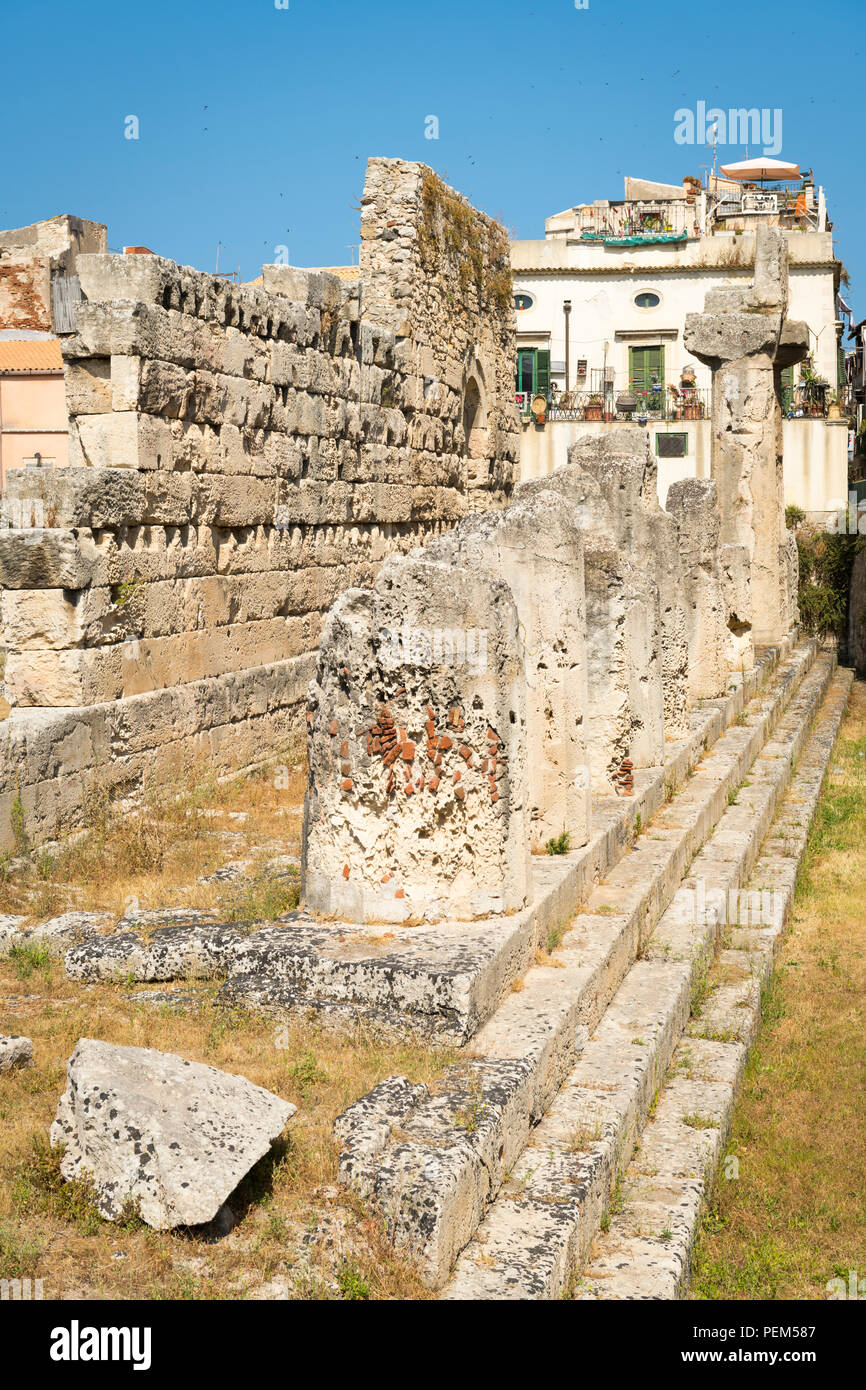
[[255, 122]]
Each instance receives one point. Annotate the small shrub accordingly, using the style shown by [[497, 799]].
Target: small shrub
[[559, 844]]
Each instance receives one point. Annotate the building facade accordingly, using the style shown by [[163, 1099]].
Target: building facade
[[601, 304]]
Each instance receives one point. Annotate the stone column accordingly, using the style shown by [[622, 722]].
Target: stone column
[[537, 550], [744, 336], [417, 800]]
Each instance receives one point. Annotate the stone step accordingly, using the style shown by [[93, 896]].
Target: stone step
[[445, 982], [438, 982], [539, 1230], [434, 1176], [646, 1252]]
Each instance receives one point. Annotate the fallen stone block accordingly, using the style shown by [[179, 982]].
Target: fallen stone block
[[169, 1137], [15, 1052], [56, 935]]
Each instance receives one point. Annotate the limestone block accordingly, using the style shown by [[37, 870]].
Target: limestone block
[[38, 618], [81, 497], [315, 288], [88, 385], [46, 559], [169, 1137], [51, 678], [235, 501], [729, 337], [143, 278], [736, 589], [417, 802], [15, 1052]]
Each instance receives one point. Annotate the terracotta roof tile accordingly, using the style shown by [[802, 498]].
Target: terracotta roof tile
[[30, 355]]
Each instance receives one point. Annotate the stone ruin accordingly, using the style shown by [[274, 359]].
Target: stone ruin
[[496, 682], [239, 455]]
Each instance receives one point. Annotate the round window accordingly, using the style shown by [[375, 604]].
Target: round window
[[523, 301], [647, 300]]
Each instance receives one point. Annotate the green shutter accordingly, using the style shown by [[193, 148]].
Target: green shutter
[[542, 372], [644, 364]]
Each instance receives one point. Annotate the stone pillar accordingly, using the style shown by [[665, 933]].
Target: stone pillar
[[625, 709], [537, 550], [744, 336], [626, 472], [693, 502], [417, 800]]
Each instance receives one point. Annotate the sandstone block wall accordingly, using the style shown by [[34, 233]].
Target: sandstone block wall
[[241, 456]]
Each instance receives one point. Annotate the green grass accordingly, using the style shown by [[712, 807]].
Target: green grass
[[795, 1215]]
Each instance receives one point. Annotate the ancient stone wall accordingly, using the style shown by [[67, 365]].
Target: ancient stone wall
[[239, 457]]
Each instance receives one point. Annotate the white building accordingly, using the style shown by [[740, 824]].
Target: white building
[[601, 306]]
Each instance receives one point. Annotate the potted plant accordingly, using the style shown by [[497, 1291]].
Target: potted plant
[[594, 407]]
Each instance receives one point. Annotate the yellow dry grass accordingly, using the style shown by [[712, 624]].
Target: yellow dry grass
[[295, 1226], [795, 1217], [150, 856]]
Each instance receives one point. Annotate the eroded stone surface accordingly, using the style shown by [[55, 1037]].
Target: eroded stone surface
[[15, 1052], [172, 1138]]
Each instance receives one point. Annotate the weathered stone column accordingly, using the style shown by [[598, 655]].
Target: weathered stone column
[[626, 472], [417, 799], [693, 502], [743, 335], [625, 709], [537, 550]]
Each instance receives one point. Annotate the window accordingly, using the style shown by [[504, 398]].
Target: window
[[646, 372], [523, 300], [647, 299], [672, 446], [532, 377]]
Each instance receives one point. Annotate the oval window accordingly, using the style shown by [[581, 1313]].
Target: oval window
[[523, 301], [647, 300]]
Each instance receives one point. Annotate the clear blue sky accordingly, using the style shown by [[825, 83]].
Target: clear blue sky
[[255, 122]]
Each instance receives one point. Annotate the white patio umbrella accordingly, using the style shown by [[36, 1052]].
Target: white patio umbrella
[[761, 168]]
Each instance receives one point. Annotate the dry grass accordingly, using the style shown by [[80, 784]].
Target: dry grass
[[151, 856], [796, 1216], [294, 1225]]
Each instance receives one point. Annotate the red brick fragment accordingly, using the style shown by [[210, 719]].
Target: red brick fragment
[[458, 774], [345, 871], [333, 727], [430, 727], [399, 893], [460, 793], [408, 751], [433, 783], [347, 784], [444, 742], [344, 748]]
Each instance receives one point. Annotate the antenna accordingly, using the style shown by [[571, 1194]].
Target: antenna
[[219, 247], [713, 133], [353, 246]]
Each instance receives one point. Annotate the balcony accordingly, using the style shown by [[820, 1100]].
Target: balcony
[[619, 405], [795, 208], [638, 223]]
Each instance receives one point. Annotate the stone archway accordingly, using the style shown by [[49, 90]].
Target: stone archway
[[474, 417]]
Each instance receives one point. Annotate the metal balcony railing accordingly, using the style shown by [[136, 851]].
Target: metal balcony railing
[[671, 402]]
